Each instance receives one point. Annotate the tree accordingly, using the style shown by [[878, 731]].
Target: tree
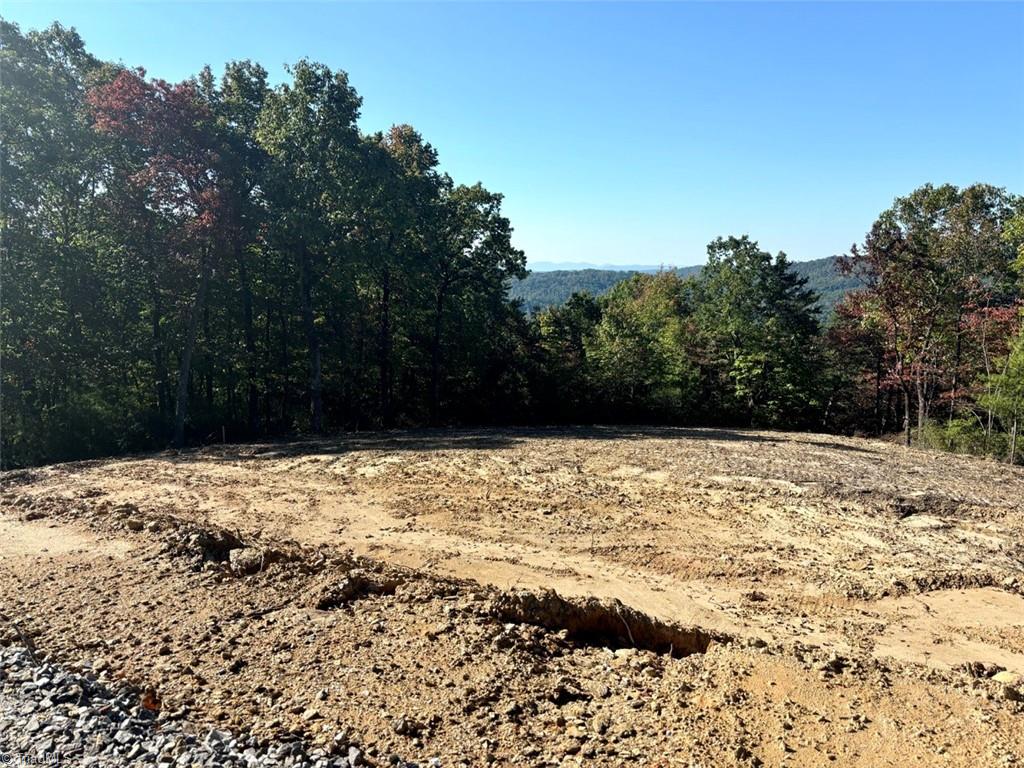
[[237, 106], [308, 128], [926, 262], [182, 180], [50, 163], [757, 323], [1005, 393], [469, 262], [637, 350], [566, 385], [398, 218]]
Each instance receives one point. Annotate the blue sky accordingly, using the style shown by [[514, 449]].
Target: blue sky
[[635, 133]]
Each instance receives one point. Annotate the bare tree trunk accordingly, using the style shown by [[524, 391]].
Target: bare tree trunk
[[435, 355], [879, 418], [956, 371], [1013, 441], [284, 364], [922, 413], [249, 333], [906, 416], [208, 375], [163, 393], [316, 401], [185, 369], [384, 350]]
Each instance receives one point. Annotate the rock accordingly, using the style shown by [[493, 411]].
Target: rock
[[245, 560], [563, 694], [135, 524], [438, 630], [215, 738], [405, 726], [1006, 678]]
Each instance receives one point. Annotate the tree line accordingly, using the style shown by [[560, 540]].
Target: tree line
[[226, 258]]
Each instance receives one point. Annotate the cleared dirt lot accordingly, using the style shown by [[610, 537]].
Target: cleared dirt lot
[[762, 597]]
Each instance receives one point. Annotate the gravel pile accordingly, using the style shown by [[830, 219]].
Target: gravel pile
[[52, 716]]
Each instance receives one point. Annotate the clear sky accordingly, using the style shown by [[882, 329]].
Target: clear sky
[[635, 133]]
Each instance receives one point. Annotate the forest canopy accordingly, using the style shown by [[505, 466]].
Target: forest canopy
[[223, 258]]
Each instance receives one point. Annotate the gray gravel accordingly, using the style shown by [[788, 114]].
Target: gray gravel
[[55, 716]]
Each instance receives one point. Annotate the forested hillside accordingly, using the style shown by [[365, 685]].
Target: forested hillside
[[540, 290], [222, 259]]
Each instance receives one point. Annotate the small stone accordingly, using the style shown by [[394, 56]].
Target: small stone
[[245, 560], [436, 631], [215, 738]]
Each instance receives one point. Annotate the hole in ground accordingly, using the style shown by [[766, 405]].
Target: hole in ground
[[606, 624]]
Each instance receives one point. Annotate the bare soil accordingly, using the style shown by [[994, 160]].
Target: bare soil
[[720, 597]]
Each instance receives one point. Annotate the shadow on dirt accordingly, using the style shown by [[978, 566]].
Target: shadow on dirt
[[603, 623], [438, 439], [459, 439]]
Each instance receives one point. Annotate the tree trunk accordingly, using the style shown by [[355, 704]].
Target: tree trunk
[[267, 345], [906, 416], [316, 401], [1013, 441], [384, 350], [208, 374], [284, 365], [249, 333], [435, 359], [185, 369], [879, 419], [921, 411], [956, 372], [163, 394]]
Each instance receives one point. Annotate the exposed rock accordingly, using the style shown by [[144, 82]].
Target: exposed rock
[[245, 560]]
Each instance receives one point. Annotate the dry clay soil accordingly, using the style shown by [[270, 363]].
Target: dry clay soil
[[654, 597]]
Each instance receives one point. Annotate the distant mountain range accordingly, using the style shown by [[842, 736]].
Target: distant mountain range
[[576, 266], [544, 288]]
